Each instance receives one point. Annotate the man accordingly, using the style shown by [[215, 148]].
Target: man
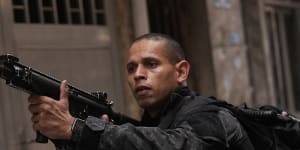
[[174, 117]]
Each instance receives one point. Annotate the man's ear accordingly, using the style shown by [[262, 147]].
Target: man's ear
[[182, 68]]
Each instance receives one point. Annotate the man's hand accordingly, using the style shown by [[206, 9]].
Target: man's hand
[[105, 118], [52, 117]]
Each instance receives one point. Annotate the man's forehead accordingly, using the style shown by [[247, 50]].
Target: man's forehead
[[144, 56], [147, 48]]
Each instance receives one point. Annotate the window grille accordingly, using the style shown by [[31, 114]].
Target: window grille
[[88, 12]]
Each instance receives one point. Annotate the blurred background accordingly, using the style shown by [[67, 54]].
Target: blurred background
[[242, 51]]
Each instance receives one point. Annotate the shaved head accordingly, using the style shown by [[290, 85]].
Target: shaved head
[[173, 50]]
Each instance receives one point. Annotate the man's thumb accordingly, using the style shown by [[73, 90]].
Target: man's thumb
[[64, 90]]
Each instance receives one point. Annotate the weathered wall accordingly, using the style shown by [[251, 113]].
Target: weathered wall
[[123, 35], [252, 17], [194, 31], [11, 111], [229, 51]]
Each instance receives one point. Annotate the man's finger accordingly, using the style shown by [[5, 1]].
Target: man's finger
[[64, 90], [35, 126], [35, 118], [34, 108], [34, 99], [37, 108]]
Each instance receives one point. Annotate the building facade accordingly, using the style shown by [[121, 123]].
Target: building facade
[[240, 50]]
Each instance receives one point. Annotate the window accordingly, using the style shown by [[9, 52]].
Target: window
[[88, 12], [282, 18]]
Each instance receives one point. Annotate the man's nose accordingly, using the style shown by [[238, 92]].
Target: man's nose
[[140, 73]]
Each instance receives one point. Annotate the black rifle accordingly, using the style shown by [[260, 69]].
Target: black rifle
[[81, 103]]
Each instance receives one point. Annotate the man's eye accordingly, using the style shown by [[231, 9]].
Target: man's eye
[[152, 64], [130, 69]]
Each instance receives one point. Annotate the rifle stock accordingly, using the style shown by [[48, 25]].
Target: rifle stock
[[81, 103]]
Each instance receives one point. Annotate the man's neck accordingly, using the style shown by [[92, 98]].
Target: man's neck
[[153, 114], [178, 92], [154, 111]]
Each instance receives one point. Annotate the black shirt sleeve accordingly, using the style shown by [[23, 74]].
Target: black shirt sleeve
[[199, 130], [96, 134]]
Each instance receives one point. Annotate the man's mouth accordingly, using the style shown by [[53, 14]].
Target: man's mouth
[[142, 90]]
